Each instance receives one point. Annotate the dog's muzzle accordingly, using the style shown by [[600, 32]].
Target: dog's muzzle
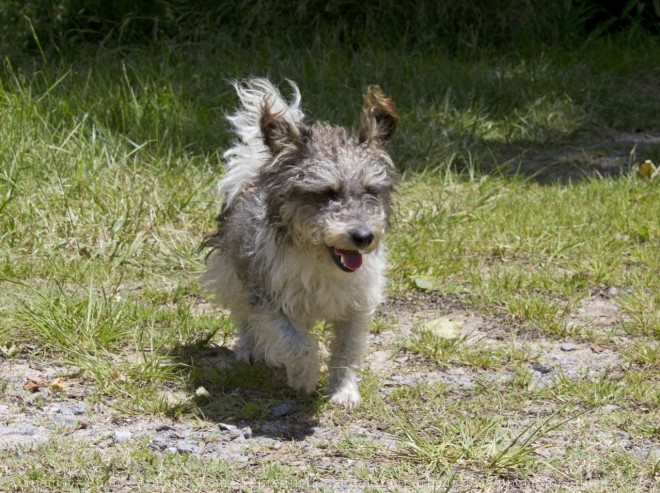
[[351, 260], [346, 260]]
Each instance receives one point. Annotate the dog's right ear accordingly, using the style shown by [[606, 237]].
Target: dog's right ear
[[379, 119], [281, 135]]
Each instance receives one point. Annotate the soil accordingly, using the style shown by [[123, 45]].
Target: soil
[[36, 415]]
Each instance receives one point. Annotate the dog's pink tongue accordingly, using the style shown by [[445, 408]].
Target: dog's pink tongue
[[350, 258]]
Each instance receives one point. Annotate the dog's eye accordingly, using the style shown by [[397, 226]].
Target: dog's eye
[[373, 191], [328, 194], [321, 195]]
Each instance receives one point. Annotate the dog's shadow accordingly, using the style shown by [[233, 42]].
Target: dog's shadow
[[228, 391]]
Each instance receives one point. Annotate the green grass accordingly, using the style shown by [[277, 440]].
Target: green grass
[[108, 160]]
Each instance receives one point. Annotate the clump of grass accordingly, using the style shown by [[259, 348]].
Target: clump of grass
[[88, 333], [443, 350], [592, 391], [480, 442], [644, 353], [95, 323], [642, 312]]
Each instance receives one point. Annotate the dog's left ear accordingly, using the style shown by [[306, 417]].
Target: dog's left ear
[[279, 133], [379, 119]]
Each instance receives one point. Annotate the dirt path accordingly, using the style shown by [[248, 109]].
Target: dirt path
[[29, 417]]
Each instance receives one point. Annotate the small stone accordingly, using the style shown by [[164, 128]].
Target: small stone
[[186, 448], [37, 399], [122, 436], [158, 444], [568, 346], [609, 408], [75, 408], [239, 435], [227, 427], [654, 454], [284, 409], [164, 428], [541, 368], [640, 453]]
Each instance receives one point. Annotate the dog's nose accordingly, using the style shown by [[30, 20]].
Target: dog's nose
[[362, 238]]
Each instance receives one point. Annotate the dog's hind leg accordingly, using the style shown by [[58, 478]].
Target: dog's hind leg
[[347, 351], [282, 343]]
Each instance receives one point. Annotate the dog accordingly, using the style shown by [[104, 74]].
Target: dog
[[299, 235]]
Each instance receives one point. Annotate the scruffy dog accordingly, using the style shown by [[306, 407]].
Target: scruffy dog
[[299, 236]]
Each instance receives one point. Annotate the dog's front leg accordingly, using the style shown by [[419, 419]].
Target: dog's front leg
[[347, 352], [284, 344]]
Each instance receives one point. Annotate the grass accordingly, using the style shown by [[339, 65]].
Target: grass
[[108, 162]]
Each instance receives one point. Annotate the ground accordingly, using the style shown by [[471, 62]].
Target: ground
[[290, 447], [517, 349]]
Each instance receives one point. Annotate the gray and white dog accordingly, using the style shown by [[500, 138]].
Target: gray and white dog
[[299, 236]]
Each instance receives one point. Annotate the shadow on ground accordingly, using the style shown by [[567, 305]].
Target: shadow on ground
[[228, 391]]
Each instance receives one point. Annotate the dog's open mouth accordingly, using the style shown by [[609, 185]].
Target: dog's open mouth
[[346, 260]]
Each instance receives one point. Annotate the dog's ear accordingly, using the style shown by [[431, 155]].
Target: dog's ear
[[379, 119], [279, 134]]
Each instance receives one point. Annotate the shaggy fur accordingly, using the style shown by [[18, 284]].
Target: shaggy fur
[[299, 235]]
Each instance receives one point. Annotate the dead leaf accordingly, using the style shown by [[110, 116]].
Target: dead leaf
[[203, 393], [596, 348], [9, 350], [33, 384], [444, 328], [426, 283], [57, 385], [646, 170], [118, 376]]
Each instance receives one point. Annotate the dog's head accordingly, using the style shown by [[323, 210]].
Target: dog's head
[[328, 190]]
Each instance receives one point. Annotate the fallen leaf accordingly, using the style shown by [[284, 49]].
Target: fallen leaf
[[118, 376], [202, 392], [596, 348], [57, 385], [426, 283], [33, 384], [9, 350], [646, 169], [444, 328]]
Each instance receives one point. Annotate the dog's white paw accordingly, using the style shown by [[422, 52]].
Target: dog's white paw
[[347, 395]]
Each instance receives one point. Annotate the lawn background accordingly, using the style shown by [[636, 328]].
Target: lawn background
[[523, 127]]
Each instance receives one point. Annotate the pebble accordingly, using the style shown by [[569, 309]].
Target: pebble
[[648, 453], [186, 448], [568, 346], [541, 368], [284, 409], [609, 408], [74, 408], [158, 444], [122, 436], [37, 399], [654, 454]]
